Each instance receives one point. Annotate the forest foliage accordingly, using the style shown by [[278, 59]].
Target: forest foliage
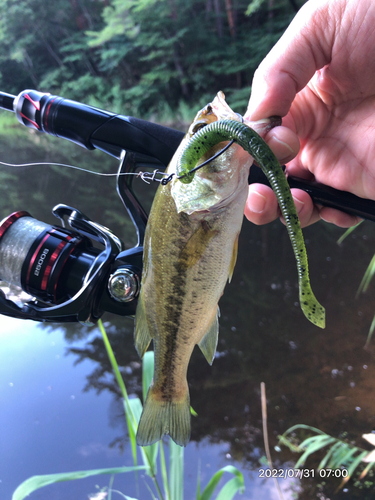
[[138, 57]]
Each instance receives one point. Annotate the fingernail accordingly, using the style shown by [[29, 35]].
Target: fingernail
[[299, 204], [288, 148], [256, 202], [326, 219]]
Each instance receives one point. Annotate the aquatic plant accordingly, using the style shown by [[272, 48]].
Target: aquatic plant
[[172, 477], [366, 280], [341, 457]]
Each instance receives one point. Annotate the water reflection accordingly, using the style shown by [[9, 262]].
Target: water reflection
[[320, 378]]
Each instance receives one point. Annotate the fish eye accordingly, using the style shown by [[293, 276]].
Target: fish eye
[[198, 126]]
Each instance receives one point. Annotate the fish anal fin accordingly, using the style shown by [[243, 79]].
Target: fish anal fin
[[161, 417], [234, 259], [209, 342], [142, 336]]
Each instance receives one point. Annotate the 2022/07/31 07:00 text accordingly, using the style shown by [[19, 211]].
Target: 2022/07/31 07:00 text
[[303, 473]]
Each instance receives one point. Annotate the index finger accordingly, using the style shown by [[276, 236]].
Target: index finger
[[304, 48]]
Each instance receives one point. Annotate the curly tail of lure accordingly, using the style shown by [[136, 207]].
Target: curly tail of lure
[[250, 141]]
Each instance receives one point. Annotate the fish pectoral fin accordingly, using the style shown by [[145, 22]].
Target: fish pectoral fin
[[142, 336], [196, 245], [234, 259], [209, 342]]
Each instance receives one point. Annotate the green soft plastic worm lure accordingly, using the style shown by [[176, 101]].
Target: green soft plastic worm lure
[[250, 141]]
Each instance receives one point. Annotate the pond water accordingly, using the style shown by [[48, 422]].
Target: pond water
[[60, 408]]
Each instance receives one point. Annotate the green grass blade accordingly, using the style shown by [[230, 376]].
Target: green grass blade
[[151, 492], [367, 277], [133, 409], [365, 471], [149, 457], [347, 232], [149, 453], [356, 462], [233, 486], [351, 469], [199, 482], [214, 481], [344, 458], [112, 360], [176, 471], [122, 495], [163, 469], [147, 371], [370, 333], [36, 482], [285, 441], [330, 453], [313, 447], [111, 480], [193, 412], [339, 456], [131, 420], [135, 405], [311, 441], [305, 427], [117, 373]]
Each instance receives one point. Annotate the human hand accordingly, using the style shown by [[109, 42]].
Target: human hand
[[320, 78]]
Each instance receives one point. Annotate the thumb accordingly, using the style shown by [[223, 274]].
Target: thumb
[[304, 48]]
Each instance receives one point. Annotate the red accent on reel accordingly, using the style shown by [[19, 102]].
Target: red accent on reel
[[8, 221], [36, 104]]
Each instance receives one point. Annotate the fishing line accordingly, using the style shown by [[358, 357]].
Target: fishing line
[[144, 176], [52, 164]]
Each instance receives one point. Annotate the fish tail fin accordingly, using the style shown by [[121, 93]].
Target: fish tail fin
[[164, 417]]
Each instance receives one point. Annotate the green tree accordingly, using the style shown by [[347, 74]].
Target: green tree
[[138, 56]]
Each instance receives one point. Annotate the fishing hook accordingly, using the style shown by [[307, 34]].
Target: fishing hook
[[168, 179]]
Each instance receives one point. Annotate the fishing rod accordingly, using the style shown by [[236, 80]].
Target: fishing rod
[[93, 128], [78, 271]]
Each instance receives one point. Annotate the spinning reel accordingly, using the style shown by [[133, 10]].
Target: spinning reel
[[77, 271]]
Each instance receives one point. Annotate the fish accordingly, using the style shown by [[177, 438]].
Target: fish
[[190, 251]]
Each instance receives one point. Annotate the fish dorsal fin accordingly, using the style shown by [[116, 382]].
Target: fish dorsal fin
[[233, 260], [142, 336], [209, 342]]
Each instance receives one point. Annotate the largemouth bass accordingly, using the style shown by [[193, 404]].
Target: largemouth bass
[[190, 252]]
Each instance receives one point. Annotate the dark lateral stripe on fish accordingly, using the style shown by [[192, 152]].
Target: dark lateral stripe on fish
[[171, 324]]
